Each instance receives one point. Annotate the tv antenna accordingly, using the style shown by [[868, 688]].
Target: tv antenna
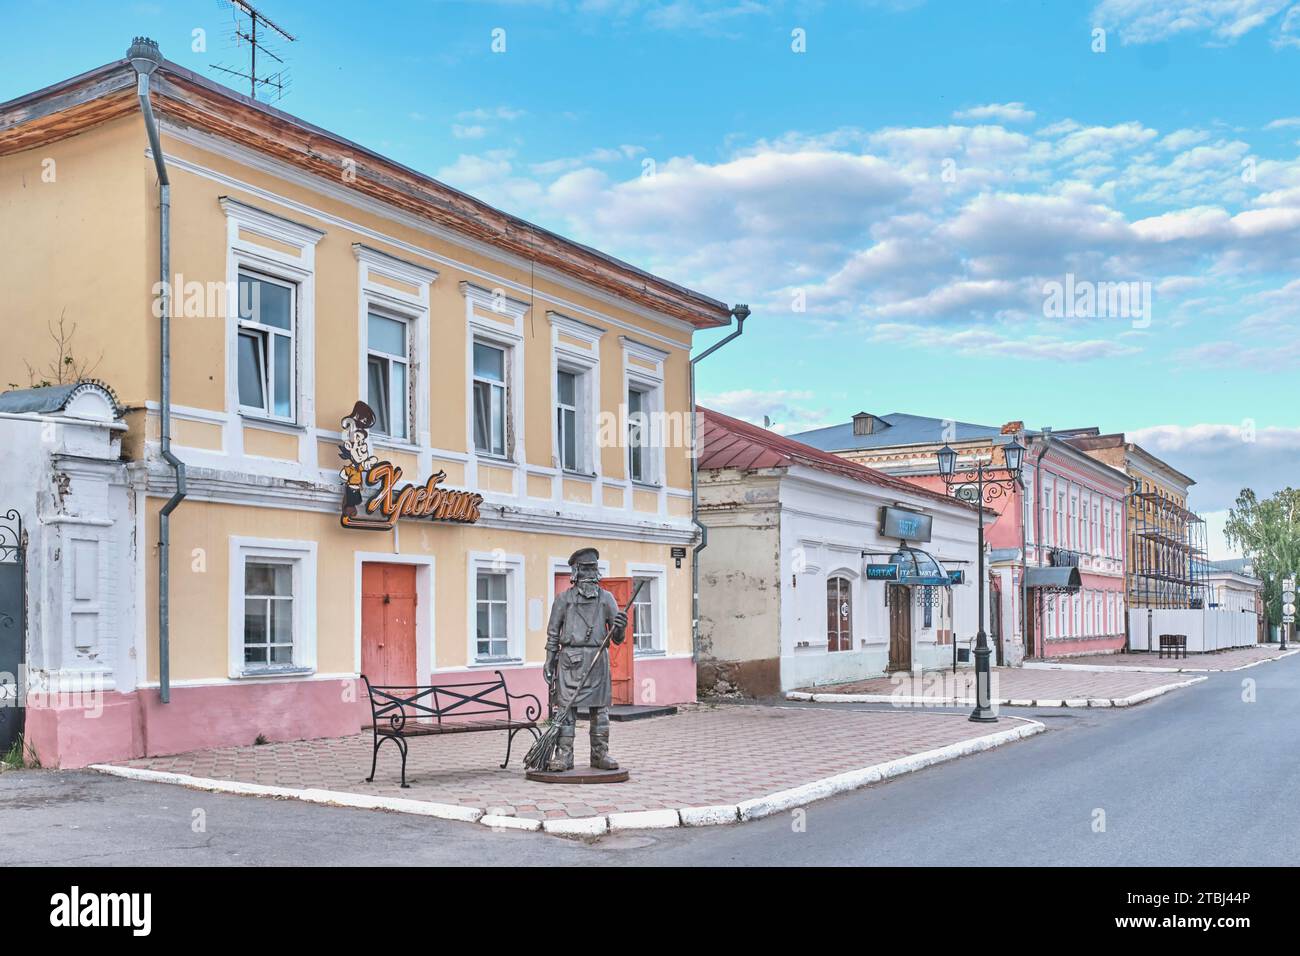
[[258, 31]]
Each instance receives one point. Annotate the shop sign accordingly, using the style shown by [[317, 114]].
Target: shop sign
[[904, 525], [380, 508], [957, 577], [882, 572]]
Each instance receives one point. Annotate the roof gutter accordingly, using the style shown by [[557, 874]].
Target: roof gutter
[[145, 59], [1046, 437], [741, 313]]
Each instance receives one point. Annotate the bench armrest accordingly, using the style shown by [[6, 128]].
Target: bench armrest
[[531, 712]]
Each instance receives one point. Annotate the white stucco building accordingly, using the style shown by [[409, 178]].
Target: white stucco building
[[787, 599]]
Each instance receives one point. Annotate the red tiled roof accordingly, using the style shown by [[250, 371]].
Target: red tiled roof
[[727, 442]]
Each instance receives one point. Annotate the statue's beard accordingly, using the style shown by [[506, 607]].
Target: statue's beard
[[588, 588]]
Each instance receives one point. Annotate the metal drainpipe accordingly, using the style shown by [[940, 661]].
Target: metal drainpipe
[[145, 59], [1038, 535], [741, 313]]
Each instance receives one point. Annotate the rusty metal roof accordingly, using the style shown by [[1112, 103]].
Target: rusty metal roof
[[727, 442]]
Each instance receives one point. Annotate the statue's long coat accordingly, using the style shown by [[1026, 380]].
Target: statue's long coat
[[576, 630]]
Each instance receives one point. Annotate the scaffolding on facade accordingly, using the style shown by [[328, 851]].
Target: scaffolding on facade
[[1167, 555]]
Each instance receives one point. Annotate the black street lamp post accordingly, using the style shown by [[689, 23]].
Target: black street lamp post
[[982, 485]]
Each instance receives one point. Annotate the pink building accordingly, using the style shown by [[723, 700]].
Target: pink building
[[1057, 548]]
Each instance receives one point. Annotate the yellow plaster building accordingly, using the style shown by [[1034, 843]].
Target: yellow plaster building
[[307, 274]]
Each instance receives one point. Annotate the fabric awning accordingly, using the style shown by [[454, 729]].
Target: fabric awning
[[1054, 579]]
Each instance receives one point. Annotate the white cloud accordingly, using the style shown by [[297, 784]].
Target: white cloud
[[1224, 458], [1150, 21], [989, 342], [997, 112], [483, 115], [864, 225], [787, 410], [468, 132]]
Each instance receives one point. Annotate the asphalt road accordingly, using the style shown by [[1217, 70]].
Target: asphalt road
[[1198, 777]]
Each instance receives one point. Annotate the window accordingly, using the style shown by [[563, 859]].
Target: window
[[492, 607], [643, 616], [388, 366], [1047, 523], [489, 399], [637, 435], [646, 429], [566, 419], [839, 614], [268, 613], [272, 607], [266, 346]]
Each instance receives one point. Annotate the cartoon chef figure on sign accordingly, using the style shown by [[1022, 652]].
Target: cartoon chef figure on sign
[[355, 451]]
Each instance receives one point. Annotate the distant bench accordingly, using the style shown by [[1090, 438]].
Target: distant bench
[[398, 712], [1173, 645]]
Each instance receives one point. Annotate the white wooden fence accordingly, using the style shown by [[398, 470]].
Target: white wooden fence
[[1210, 629]]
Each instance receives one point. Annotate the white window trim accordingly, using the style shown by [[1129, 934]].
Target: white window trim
[[394, 303], [506, 332], [583, 362], [651, 382], [658, 573], [302, 554], [512, 565], [268, 335], [298, 267]]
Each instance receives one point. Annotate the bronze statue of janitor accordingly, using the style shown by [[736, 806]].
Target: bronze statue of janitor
[[581, 617]]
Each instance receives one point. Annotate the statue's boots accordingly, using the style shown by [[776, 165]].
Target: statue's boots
[[600, 758], [562, 759]]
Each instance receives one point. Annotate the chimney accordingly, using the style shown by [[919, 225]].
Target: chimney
[[1013, 428]]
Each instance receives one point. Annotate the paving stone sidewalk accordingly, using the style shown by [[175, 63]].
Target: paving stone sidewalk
[[699, 757], [1213, 661], [1012, 686]]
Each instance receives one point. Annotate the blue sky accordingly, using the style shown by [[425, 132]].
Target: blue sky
[[893, 202]]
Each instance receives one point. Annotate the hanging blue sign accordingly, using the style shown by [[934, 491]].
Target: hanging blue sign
[[882, 572], [904, 525], [957, 577]]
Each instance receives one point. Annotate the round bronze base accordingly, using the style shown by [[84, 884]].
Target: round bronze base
[[578, 775]]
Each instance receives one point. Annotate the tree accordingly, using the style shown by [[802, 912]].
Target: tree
[[66, 367], [1268, 532]]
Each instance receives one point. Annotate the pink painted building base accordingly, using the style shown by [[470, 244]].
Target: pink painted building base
[[114, 727]]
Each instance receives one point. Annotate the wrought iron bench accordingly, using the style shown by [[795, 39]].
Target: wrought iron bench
[[398, 712], [1173, 645]]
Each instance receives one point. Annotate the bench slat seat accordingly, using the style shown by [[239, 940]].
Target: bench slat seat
[[430, 710], [1173, 645]]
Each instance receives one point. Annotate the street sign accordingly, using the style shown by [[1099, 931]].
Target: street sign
[[1288, 610]]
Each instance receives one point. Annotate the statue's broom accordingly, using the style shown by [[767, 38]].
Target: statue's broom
[[540, 753]]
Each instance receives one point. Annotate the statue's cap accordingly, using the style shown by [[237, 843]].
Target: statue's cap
[[584, 556]]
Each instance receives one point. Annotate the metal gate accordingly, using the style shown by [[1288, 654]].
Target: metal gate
[[13, 626]]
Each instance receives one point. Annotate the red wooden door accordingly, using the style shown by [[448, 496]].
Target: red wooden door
[[388, 623], [620, 655]]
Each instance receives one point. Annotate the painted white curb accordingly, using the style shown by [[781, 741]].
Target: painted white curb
[[501, 822], [1149, 669], [644, 820], [443, 811], [855, 779], [598, 825], [709, 816], [1000, 702], [576, 826]]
